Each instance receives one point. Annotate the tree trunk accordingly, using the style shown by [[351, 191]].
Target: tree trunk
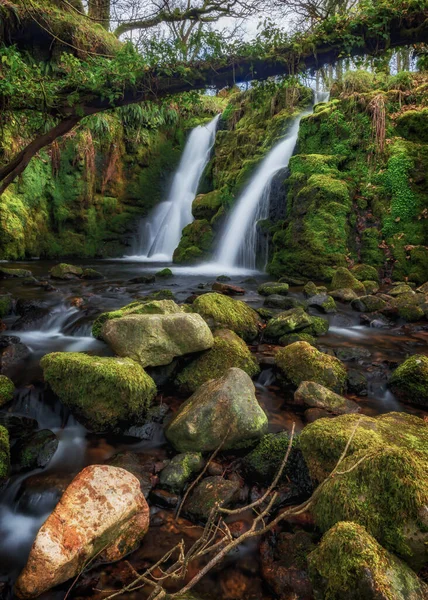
[[99, 10]]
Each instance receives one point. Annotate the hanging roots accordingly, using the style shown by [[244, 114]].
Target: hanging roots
[[377, 110], [112, 165], [55, 157]]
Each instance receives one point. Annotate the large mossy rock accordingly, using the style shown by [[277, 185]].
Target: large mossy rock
[[295, 320], [343, 278], [273, 287], [209, 492], [102, 392], [387, 492], [154, 340], [206, 206], [229, 350], [102, 515], [314, 395], [65, 271], [410, 380], [14, 273], [300, 362], [4, 453], [365, 273], [349, 563], [195, 242], [223, 312], [7, 389], [223, 412]]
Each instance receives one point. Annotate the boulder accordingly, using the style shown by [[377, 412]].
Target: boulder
[[283, 302], [286, 340], [102, 392], [4, 453], [387, 491], [181, 468], [343, 295], [101, 514], [154, 340], [65, 271], [323, 303], [273, 287], [13, 356], [423, 289], [289, 321], [310, 289], [222, 411], [343, 278], [410, 380], [7, 389], [314, 395], [349, 563], [223, 312], [300, 362], [357, 383], [365, 272], [6, 304], [368, 304], [34, 451], [14, 273], [227, 289], [91, 274], [229, 350], [165, 273], [372, 287], [400, 288], [210, 491]]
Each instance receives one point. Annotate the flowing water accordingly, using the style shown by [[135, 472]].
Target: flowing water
[[160, 232]]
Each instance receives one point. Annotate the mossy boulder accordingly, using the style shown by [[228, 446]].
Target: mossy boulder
[[222, 411], [91, 274], [7, 389], [6, 304], [410, 380], [323, 303], [365, 272], [209, 492], [343, 295], [102, 392], [349, 563], [229, 350], [387, 492], [14, 273], [283, 302], [310, 289], [291, 338], [220, 311], [273, 287], [206, 206], [289, 321], [34, 451], [368, 303], [165, 273], [314, 395], [181, 468], [65, 271], [4, 453], [300, 362], [343, 278], [372, 287], [195, 243]]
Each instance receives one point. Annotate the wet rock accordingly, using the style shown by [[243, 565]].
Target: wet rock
[[17, 425], [302, 362], [7, 389], [102, 514], [223, 278], [143, 279], [273, 287], [165, 273], [284, 302], [31, 312], [181, 468], [229, 350], [343, 278], [222, 411], [6, 304], [400, 288], [102, 392], [66, 272], [312, 414], [423, 289], [265, 314], [164, 498], [348, 354], [292, 280], [14, 273], [160, 295], [154, 339], [34, 451], [410, 380], [368, 304], [209, 492], [227, 289], [4, 454], [314, 395], [12, 357], [366, 570], [223, 312], [371, 287], [291, 338], [357, 383], [375, 320], [290, 321], [365, 272], [323, 303], [142, 466], [91, 274], [310, 289]]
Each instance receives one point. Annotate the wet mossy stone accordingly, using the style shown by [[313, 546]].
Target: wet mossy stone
[[4, 453], [222, 411], [92, 274], [34, 451], [139, 307], [7, 389], [343, 278], [300, 362], [368, 304], [206, 206], [181, 468], [229, 350], [410, 380], [314, 395], [273, 287], [310, 289], [387, 492], [349, 563], [289, 321], [372, 287], [220, 311], [102, 392], [400, 288], [143, 279], [209, 492], [423, 289], [343, 295], [161, 295], [223, 278], [323, 303], [291, 338], [411, 313], [14, 273], [6, 304], [283, 302], [365, 272], [65, 271], [165, 273]]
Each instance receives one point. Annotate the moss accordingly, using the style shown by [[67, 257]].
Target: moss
[[350, 563], [318, 327], [410, 380], [289, 321], [365, 272], [286, 340], [5, 305], [412, 125], [14, 273], [266, 289], [206, 206], [181, 468], [302, 362], [343, 278], [221, 311], [102, 391], [63, 270], [7, 389], [4, 453], [228, 351], [264, 461], [195, 242]]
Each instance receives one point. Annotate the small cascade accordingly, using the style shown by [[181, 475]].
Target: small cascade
[[160, 232]]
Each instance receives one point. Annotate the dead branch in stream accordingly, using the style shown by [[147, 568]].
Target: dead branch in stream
[[216, 527]]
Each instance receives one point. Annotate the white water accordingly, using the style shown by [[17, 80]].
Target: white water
[[160, 232]]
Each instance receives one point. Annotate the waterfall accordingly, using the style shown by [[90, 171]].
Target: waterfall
[[160, 232], [238, 243]]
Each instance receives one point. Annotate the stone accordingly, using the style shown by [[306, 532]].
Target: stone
[[365, 272], [181, 468], [7, 389], [4, 453], [229, 350], [314, 395], [209, 492], [101, 514], [343, 278], [300, 362], [34, 451], [153, 340], [273, 287], [102, 392], [343, 295], [368, 304], [349, 353], [65, 271], [222, 411], [283, 302], [91, 274], [143, 279], [409, 381], [17, 425], [165, 273], [6, 304], [423, 289], [292, 280], [357, 383], [290, 321], [310, 289], [372, 287], [223, 278], [14, 273], [400, 288], [323, 303], [227, 289], [12, 357]]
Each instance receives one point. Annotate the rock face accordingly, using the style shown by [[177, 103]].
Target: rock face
[[222, 410], [102, 513], [300, 362], [349, 563], [410, 380], [314, 395], [229, 350], [154, 340], [6, 389], [387, 492], [101, 391]]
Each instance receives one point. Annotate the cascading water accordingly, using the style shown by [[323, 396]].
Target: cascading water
[[160, 232], [237, 246]]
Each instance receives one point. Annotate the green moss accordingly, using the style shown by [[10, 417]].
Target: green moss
[[410, 380], [63, 270], [102, 391], [205, 206], [195, 243], [165, 273], [228, 351], [412, 125], [181, 468], [286, 340], [5, 305], [343, 278], [365, 272], [264, 461], [266, 289], [4, 453], [14, 273], [7, 389]]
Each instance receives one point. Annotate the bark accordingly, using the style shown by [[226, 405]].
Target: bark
[[99, 11]]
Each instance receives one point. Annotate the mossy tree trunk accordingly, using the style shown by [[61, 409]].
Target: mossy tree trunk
[[99, 10]]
